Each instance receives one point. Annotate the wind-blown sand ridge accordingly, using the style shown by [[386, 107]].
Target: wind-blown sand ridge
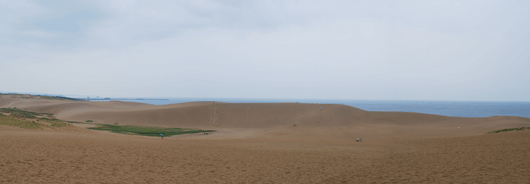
[[259, 143]]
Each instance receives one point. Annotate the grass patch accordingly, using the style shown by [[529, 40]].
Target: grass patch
[[147, 131], [89, 121], [509, 130], [55, 122], [17, 113], [6, 120], [20, 113]]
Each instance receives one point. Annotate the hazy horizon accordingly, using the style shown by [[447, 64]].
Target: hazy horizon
[[358, 50], [273, 100]]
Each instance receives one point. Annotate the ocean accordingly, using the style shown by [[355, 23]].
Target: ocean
[[446, 108]]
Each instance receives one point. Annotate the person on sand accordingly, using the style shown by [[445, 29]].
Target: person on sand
[[161, 136]]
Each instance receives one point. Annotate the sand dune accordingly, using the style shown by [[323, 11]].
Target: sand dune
[[259, 143], [279, 119]]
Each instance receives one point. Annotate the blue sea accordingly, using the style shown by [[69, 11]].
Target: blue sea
[[446, 108]]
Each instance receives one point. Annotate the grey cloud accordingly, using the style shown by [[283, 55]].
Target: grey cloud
[[410, 50]]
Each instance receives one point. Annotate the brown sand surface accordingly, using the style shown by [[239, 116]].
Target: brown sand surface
[[258, 143]]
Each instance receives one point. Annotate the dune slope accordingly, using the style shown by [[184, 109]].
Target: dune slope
[[261, 143]]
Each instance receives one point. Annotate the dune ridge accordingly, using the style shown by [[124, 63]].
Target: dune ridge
[[268, 116], [259, 143]]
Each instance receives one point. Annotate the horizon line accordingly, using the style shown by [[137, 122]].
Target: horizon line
[[246, 98]]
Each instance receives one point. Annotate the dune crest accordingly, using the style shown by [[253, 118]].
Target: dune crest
[[261, 143], [271, 119]]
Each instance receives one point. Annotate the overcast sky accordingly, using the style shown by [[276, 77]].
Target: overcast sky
[[377, 50]]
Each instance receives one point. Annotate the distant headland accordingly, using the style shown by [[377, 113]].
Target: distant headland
[[123, 99]]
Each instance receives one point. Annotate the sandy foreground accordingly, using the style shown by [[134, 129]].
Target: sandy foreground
[[259, 143]]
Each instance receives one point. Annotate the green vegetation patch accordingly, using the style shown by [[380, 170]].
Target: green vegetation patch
[[59, 98], [55, 122], [21, 113], [17, 113], [147, 131], [6, 120], [509, 130]]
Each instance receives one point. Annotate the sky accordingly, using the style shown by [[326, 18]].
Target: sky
[[362, 50]]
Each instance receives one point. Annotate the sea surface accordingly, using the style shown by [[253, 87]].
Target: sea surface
[[446, 108]]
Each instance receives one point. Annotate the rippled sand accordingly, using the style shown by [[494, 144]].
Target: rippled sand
[[258, 143]]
